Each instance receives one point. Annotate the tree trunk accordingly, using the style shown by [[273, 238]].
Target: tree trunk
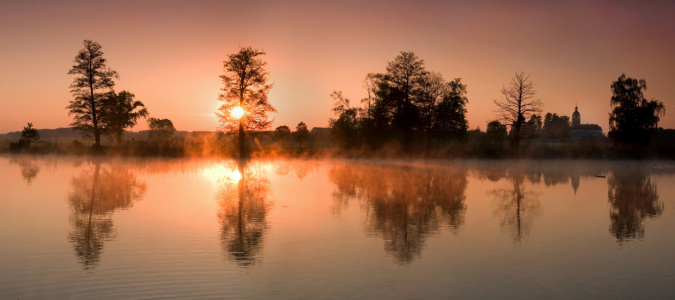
[[242, 146]]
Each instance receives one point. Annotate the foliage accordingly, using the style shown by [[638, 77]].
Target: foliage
[[282, 133], [30, 134], [532, 129], [120, 111], [245, 85], [556, 127], [517, 105], [93, 75], [496, 132], [633, 119], [405, 105], [301, 133], [160, 129]]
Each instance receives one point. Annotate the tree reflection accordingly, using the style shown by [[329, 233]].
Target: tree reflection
[[29, 168], [404, 205], [633, 198], [517, 206], [94, 196], [243, 212]]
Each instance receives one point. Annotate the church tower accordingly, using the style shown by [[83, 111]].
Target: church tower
[[576, 117]]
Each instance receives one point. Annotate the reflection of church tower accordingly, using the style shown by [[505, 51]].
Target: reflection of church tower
[[576, 117], [575, 182]]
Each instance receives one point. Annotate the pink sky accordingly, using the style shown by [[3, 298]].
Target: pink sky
[[170, 53]]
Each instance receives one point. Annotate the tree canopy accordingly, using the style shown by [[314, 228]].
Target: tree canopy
[[517, 105], [633, 119], [120, 111], [93, 79]]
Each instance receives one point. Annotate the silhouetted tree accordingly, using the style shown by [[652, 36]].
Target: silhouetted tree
[[634, 119], [93, 76], [345, 128], [450, 113], [282, 133], [120, 111], [301, 133], [556, 127], [496, 132], [404, 78], [29, 134], [245, 86], [533, 128], [518, 104], [160, 129]]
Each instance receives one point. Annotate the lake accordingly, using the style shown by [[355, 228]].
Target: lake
[[104, 228]]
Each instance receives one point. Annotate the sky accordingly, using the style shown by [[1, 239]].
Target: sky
[[170, 53]]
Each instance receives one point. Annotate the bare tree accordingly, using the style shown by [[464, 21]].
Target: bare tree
[[517, 105]]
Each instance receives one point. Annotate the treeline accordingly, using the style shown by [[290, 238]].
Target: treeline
[[407, 105]]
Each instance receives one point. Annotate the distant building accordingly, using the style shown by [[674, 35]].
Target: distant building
[[580, 131]]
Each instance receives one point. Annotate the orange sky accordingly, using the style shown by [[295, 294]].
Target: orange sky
[[170, 53]]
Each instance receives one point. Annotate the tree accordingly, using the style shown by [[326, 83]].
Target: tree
[[345, 128], [245, 86], [29, 135], [634, 119], [93, 75], [160, 129], [496, 132], [450, 113], [282, 132], [120, 111], [301, 133], [556, 127], [518, 104], [533, 128]]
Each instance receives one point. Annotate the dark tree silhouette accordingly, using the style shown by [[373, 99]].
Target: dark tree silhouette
[[245, 86], [93, 75], [405, 206], [532, 129], [282, 133], [633, 119], [495, 132], [94, 196], [301, 133], [449, 121], [120, 111], [556, 127], [402, 87], [346, 127], [243, 213], [518, 104], [161, 130], [633, 198]]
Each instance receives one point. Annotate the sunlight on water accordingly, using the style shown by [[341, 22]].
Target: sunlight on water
[[85, 228]]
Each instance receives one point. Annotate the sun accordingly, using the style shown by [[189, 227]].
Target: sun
[[237, 112]]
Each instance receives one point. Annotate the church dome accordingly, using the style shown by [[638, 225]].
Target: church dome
[[576, 112]]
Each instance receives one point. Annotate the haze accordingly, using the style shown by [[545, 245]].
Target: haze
[[170, 53]]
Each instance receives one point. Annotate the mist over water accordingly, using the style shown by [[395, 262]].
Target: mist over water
[[104, 228]]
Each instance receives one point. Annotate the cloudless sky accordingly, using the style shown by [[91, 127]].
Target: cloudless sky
[[170, 53]]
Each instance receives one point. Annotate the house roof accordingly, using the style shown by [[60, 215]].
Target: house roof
[[586, 127]]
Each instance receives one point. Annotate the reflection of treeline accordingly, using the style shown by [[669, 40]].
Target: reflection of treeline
[[404, 205], [633, 198]]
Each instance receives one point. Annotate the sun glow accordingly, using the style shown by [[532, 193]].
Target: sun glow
[[221, 173], [237, 112]]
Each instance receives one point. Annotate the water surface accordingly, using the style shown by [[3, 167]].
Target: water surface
[[88, 228]]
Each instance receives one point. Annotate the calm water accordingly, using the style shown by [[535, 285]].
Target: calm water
[[83, 228]]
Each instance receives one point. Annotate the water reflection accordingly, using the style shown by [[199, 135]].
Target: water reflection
[[404, 205], [243, 212], [94, 196], [29, 168], [517, 207], [633, 198]]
